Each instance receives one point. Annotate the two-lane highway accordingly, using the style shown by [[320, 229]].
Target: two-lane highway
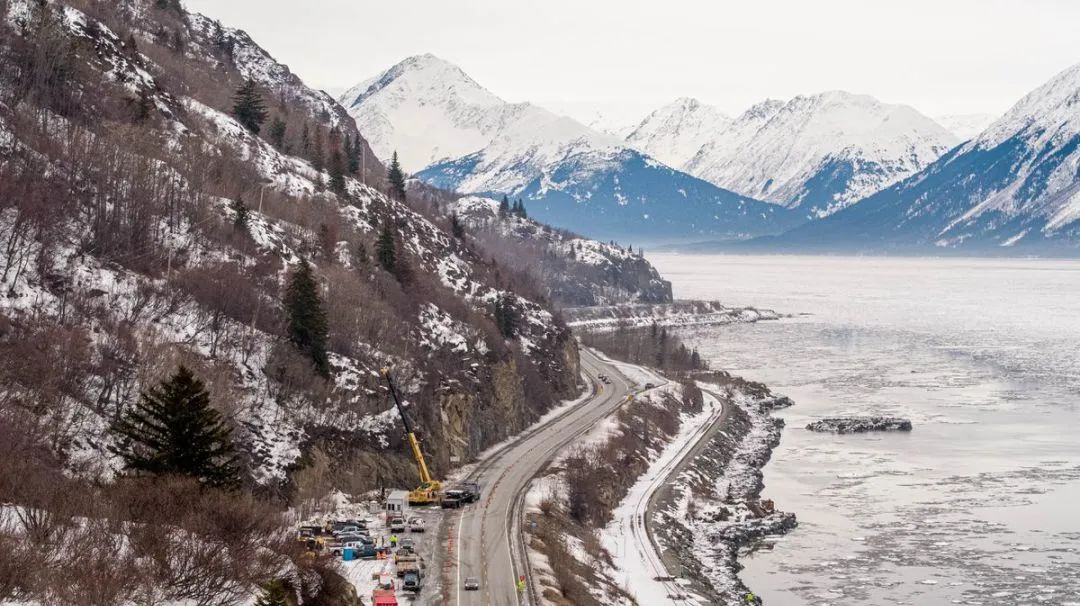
[[487, 533]]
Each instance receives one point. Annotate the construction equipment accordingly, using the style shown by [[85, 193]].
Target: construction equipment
[[428, 490]]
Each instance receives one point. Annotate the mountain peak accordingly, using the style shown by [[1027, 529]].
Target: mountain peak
[[675, 132], [427, 109], [821, 151], [1050, 111]]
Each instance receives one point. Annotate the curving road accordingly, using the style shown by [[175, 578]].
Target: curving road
[[486, 534]]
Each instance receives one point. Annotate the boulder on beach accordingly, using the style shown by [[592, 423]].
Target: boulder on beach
[[860, 424]]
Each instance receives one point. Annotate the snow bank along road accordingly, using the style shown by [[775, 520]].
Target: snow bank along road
[[486, 536], [648, 574]]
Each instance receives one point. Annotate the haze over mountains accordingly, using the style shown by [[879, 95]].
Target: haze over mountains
[[688, 172]]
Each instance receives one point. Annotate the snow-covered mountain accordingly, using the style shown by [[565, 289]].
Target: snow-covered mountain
[[674, 133], [966, 126], [1016, 185], [820, 153], [429, 110], [454, 134]]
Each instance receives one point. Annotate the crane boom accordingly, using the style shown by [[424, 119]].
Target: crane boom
[[418, 455]]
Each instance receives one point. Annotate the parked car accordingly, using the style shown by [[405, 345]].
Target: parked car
[[351, 529], [353, 536], [397, 524], [472, 584], [649, 385], [416, 525]]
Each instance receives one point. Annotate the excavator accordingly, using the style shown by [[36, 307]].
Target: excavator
[[429, 490]]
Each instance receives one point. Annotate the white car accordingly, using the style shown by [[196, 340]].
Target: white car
[[416, 525]]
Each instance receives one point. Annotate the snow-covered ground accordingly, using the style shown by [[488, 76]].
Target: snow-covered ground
[[626, 537]]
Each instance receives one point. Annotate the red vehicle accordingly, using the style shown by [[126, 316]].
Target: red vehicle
[[383, 597]]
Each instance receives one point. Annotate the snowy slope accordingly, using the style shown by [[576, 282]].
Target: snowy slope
[[429, 110], [820, 153], [1015, 185], [674, 133], [966, 126]]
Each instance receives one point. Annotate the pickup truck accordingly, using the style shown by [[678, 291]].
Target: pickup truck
[[397, 524], [407, 564], [471, 490], [411, 582], [453, 499]]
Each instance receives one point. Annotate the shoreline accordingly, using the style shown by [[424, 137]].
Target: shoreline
[[710, 509], [679, 313]]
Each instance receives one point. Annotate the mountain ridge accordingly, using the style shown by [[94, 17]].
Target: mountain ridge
[[572, 176]]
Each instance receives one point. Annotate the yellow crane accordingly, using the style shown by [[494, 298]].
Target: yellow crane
[[429, 490]]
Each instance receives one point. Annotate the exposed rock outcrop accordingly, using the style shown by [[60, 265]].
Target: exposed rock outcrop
[[859, 424]]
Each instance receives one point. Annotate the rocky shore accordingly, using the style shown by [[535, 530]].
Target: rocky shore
[[714, 510], [678, 313]]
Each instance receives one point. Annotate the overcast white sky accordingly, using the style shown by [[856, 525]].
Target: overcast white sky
[[625, 57]]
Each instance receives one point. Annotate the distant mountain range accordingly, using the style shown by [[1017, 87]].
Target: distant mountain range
[[454, 134], [1014, 189], [835, 170], [816, 153]]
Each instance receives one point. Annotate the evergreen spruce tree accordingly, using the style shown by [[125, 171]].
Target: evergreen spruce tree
[[352, 153], [504, 207], [240, 221], [218, 35], [456, 227], [396, 178], [361, 254], [318, 151], [248, 106], [505, 316], [273, 594], [337, 171], [384, 248], [307, 319], [305, 140], [327, 243], [277, 133], [172, 429], [521, 210]]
